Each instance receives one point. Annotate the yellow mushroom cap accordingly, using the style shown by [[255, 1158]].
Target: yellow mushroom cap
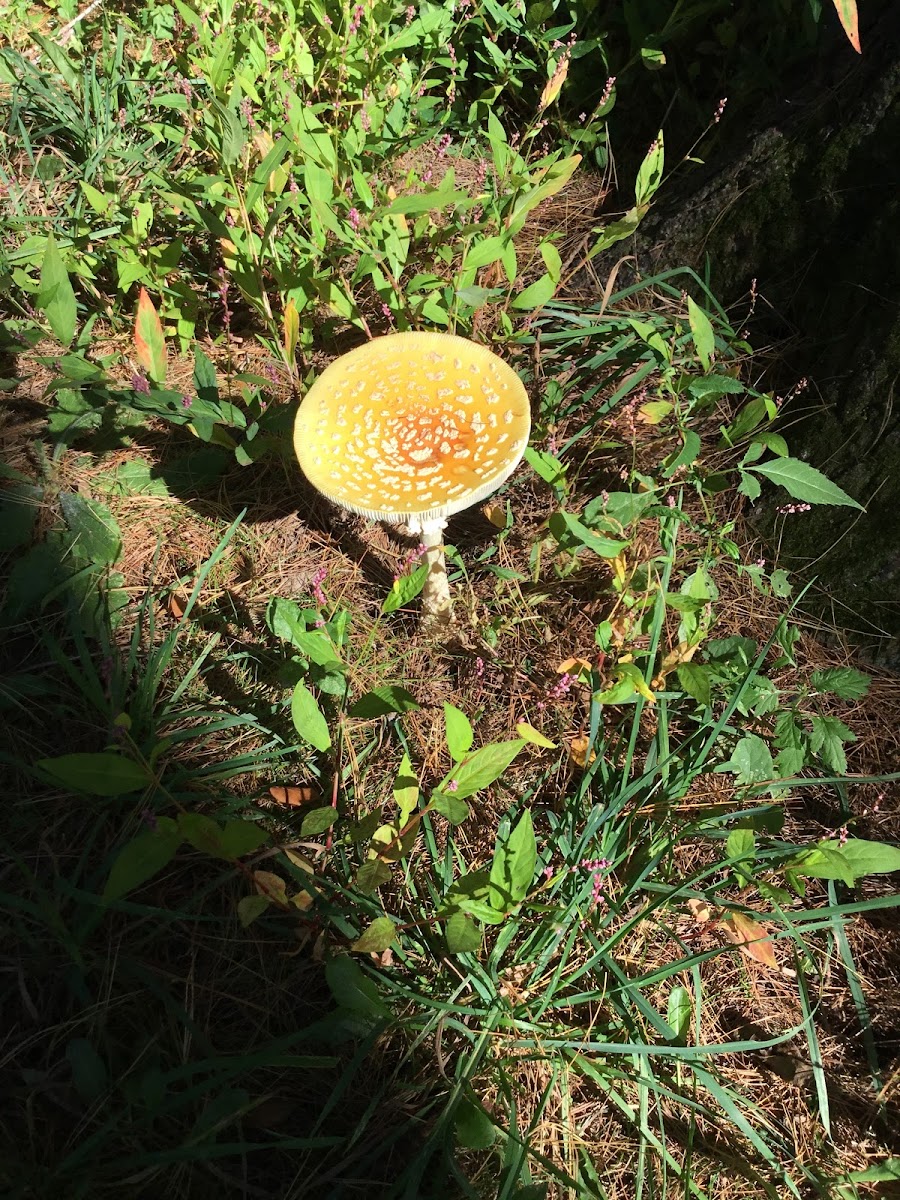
[[412, 425]]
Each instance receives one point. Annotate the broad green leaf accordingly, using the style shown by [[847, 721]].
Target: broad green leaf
[[550, 469], [106, 774], [317, 646], [751, 760], [377, 937], [482, 768], [871, 858], [552, 179], [650, 173], [715, 385], [371, 875], [568, 530], [824, 862], [695, 680], [687, 455], [537, 294], [204, 834], [142, 858], [89, 1074], [702, 333], [474, 1128], [741, 843], [827, 739], [512, 870], [406, 790], [805, 483], [352, 989], [308, 719], [406, 588], [845, 682], [251, 907], [622, 507], [678, 1012], [455, 810], [462, 934], [383, 701], [318, 820], [423, 202], [460, 734], [242, 837], [149, 342], [56, 297], [884, 1172], [485, 252], [95, 530], [530, 734]]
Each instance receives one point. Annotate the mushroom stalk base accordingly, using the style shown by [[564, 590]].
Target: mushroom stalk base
[[437, 607]]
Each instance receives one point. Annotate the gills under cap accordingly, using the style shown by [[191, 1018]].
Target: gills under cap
[[412, 425]]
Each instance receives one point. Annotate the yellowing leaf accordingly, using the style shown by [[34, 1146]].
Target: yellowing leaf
[[496, 514], [682, 653], [554, 86], [578, 748], [149, 342], [655, 411], [700, 910], [846, 10], [530, 734], [291, 329], [270, 885], [575, 666]]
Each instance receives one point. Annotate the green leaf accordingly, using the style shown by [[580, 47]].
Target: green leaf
[[377, 937], [485, 252], [251, 907], [622, 507], [805, 483], [751, 761], [537, 294], [371, 875], [749, 486], [741, 843], [885, 1172], [106, 774], [781, 584], [650, 173], [318, 820], [352, 989], [512, 870], [308, 719], [687, 455], [406, 588], [827, 739], [550, 469], [715, 385], [460, 734], [474, 1128], [203, 833], [463, 935], [695, 680], [702, 333], [823, 862], [89, 1074], [149, 342], [96, 533], [480, 769], [567, 529], [845, 682], [455, 810], [678, 1012], [242, 837], [382, 701], [406, 791], [56, 298], [871, 858], [142, 858]]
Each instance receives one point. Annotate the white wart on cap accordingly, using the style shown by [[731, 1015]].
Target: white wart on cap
[[412, 427]]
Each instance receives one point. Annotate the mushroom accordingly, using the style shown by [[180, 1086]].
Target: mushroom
[[409, 429]]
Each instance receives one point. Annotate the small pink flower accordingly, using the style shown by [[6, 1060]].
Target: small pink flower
[[140, 384], [354, 218], [452, 786]]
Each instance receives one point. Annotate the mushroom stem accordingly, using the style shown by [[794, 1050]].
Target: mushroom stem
[[437, 607]]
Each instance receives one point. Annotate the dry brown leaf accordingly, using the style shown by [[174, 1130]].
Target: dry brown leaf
[[302, 900], [293, 795], [750, 938], [496, 514], [574, 666], [700, 910], [299, 861], [177, 604], [683, 653], [578, 751]]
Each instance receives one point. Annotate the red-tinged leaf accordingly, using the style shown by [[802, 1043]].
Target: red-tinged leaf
[[750, 938], [846, 10], [149, 342]]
